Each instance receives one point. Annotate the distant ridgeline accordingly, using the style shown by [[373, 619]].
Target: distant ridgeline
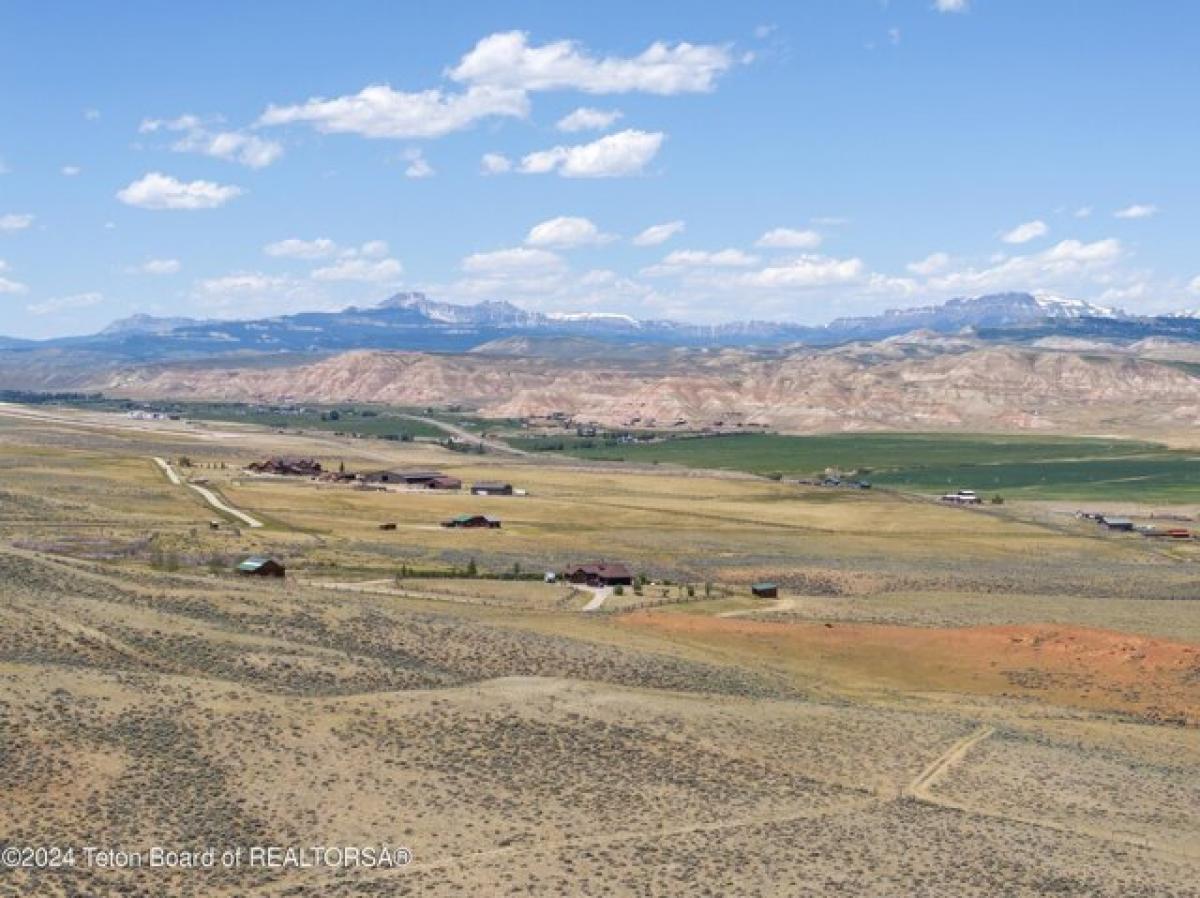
[[411, 321]]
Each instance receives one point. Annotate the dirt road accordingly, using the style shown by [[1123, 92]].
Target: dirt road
[[920, 787], [207, 495]]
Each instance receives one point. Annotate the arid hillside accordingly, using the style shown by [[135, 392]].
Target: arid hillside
[[895, 384]]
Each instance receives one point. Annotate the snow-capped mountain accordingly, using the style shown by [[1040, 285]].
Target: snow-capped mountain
[[413, 321], [1054, 306]]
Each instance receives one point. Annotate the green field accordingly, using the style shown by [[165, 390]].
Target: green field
[[361, 419], [1030, 466]]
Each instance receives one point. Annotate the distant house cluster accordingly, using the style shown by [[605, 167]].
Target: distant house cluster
[[286, 466], [1122, 524]]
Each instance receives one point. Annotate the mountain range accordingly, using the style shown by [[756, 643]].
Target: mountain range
[[1012, 361], [413, 321]]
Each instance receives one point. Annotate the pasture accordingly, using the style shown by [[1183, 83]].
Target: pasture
[[1043, 467]]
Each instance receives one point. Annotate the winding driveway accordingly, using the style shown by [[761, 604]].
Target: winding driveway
[[207, 495]]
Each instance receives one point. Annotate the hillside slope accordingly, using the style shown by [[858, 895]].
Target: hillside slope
[[873, 387]]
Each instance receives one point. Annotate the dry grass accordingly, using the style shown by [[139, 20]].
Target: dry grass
[[520, 747]]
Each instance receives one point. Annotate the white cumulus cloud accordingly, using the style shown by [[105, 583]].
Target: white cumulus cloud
[[567, 231], [508, 60], [587, 119], [1067, 265], [1137, 210], [723, 258], [1025, 232], [15, 221], [158, 266], [951, 5], [688, 261], [418, 165], [931, 264], [234, 146], [379, 111], [806, 272], [789, 238], [158, 191], [372, 271], [658, 234], [519, 260], [295, 248], [495, 164], [624, 153], [7, 285]]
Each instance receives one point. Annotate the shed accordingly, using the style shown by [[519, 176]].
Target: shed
[[258, 566], [387, 526], [765, 590], [443, 482], [473, 520], [1117, 523], [491, 488], [599, 573], [408, 478]]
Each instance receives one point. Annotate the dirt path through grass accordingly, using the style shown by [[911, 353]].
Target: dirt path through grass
[[920, 787], [207, 495]]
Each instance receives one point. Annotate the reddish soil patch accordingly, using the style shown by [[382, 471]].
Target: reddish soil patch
[[1081, 667]]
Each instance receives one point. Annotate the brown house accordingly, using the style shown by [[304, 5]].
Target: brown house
[[257, 566], [600, 573]]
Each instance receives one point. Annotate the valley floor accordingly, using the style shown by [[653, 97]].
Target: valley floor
[[942, 702]]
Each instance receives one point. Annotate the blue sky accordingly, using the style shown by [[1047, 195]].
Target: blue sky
[[792, 160]]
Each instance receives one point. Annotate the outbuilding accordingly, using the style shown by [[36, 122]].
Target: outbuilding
[[259, 566], [491, 488], [1122, 524], [765, 590], [473, 520], [600, 573], [406, 478]]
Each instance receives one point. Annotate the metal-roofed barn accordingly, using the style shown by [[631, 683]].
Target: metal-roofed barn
[[491, 488], [260, 566]]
